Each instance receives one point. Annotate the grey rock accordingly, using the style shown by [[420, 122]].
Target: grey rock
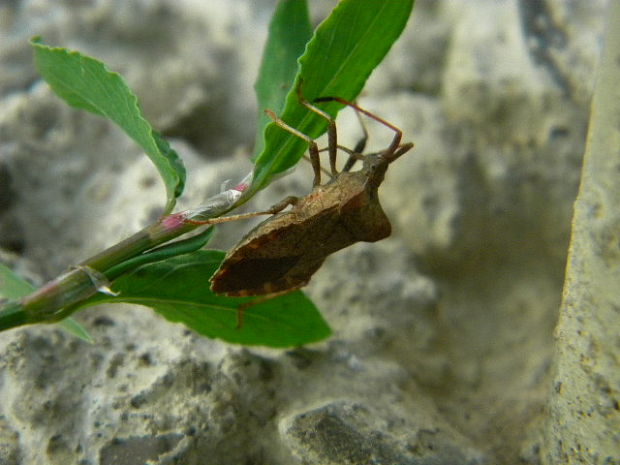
[[443, 334], [583, 425], [10, 451], [351, 433]]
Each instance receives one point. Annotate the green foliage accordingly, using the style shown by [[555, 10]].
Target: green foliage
[[73, 327], [161, 253], [12, 286], [178, 289], [86, 83], [289, 32], [344, 50], [174, 279]]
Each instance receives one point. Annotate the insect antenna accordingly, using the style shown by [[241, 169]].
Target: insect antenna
[[332, 132], [358, 150], [312, 146], [389, 153]]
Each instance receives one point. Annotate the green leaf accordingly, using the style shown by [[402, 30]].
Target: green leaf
[[13, 287], [86, 83], [73, 327], [345, 49], [289, 31], [178, 289]]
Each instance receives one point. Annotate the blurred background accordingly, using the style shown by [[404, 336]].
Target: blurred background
[[443, 333]]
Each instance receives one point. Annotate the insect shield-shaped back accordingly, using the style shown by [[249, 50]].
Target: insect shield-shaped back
[[283, 252]]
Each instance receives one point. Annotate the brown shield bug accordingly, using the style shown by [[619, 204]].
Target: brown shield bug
[[282, 253]]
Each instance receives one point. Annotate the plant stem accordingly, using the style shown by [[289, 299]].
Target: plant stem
[[60, 297], [148, 238], [46, 304]]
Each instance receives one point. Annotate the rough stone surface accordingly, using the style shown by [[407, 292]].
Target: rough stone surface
[[584, 410], [351, 433], [442, 334]]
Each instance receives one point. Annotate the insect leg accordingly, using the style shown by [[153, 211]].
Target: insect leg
[[332, 133], [278, 207], [398, 134], [354, 155], [313, 147], [282, 204], [359, 147]]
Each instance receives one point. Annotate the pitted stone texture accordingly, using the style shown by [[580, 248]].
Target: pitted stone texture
[[345, 433], [449, 322]]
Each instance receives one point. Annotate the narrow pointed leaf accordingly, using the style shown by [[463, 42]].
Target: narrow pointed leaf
[[76, 329], [161, 253], [338, 60], [289, 31], [86, 83], [13, 286]]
